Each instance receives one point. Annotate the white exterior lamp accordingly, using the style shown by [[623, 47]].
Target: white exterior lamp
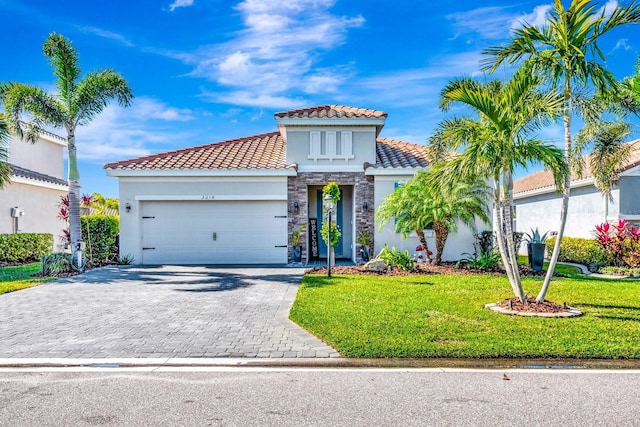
[[329, 205]]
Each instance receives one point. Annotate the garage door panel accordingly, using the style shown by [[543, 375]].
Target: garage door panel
[[183, 232]]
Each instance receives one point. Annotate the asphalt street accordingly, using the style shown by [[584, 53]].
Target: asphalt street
[[318, 397]]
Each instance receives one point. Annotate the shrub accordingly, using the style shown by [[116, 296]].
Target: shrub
[[621, 241], [621, 271], [482, 261], [582, 251], [25, 247], [100, 233], [394, 258], [56, 263]]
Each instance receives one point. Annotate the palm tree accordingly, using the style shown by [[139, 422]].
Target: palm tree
[[76, 103], [565, 51], [496, 142], [609, 155], [420, 203], [407, 208], [5, 169]]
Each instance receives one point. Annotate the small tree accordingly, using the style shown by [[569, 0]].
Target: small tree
[[333, 190]]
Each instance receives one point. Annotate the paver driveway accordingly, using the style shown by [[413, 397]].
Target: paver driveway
[[166, 311]]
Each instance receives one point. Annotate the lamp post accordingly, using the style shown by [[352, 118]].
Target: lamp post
[[329, 204]]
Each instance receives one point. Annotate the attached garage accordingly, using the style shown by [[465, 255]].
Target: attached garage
[[213, 232]]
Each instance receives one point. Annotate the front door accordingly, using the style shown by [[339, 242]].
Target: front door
[[322, 245]]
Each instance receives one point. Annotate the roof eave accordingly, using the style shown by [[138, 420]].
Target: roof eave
[[124, 172]]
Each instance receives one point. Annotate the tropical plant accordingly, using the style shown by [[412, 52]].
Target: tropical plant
[[395, 258], [621, 241], [535, 236], [76, 103], [424, 201], [5, 169], [565, 52], [496, 142], [480, 261], [609, 155], [295, 235]]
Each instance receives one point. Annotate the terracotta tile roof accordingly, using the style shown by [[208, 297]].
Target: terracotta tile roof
[[331, 111], [26, 173], [544, 179], [391, 153], [264, 151]]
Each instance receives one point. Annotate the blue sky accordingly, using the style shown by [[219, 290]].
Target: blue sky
[[208, 70]]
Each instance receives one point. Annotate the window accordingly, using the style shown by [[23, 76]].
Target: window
[[331, 145]]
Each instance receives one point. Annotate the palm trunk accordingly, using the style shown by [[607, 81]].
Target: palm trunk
[[503, 231], [423, 242], [565, 194], [74, 195], [441, 232]]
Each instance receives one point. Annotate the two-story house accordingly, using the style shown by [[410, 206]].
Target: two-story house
[[29, 203], [237, 201]]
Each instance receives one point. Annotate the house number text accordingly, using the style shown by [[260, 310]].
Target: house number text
[[208, 197]]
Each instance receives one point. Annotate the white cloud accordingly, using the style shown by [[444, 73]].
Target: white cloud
[[495, 22], [180, 3], [536, 18], [609, 7], [252, 99], [621, 44], [119, 132], [418, 87], [488, 22], [107, 35], [272, 61], [148, 109]]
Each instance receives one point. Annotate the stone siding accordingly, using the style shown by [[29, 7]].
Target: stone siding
[[297, 192]]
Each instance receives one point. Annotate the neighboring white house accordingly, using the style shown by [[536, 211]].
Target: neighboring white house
[[29, 202], [238, 201], [538, 204]]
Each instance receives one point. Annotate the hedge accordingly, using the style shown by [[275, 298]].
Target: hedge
[[582, 251], [100, 233], [24, 247]]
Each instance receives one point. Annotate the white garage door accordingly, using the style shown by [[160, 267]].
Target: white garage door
[[214, 232]]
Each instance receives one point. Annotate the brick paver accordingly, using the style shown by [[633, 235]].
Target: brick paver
[[168, 311]]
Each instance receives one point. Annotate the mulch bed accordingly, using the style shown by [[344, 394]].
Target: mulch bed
[[422, 268], [532, 305]]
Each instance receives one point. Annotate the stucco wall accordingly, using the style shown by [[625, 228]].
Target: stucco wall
[[298, 146], [586, 210], [177, 187], [40, 206], [44, 156], [456, 245], [630, 195]]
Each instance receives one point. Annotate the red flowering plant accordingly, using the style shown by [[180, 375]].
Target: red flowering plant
[[420, 254], [621, 241], [63, 213]]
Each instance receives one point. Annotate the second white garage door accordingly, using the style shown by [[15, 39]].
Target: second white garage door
[[214, 232]]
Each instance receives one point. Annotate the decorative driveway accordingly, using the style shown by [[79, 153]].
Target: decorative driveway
[[166, 311]]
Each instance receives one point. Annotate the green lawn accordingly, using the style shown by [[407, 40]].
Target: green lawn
[[19, 277], [444, 316]]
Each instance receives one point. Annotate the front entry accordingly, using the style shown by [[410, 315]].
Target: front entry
[[334, 217]]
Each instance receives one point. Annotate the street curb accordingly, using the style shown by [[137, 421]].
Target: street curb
[[488, 364]]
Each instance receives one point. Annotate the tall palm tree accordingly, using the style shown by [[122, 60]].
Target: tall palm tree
[[565, 51], [420, 203], [609, 155], [76, 103], [5, 169], [493, 144]]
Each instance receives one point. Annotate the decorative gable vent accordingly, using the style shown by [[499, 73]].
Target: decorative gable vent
[[331, 145]]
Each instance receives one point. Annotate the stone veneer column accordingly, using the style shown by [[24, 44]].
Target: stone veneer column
[[297, 191]]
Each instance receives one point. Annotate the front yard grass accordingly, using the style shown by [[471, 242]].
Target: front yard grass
[[19, 277], [444, 316]]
